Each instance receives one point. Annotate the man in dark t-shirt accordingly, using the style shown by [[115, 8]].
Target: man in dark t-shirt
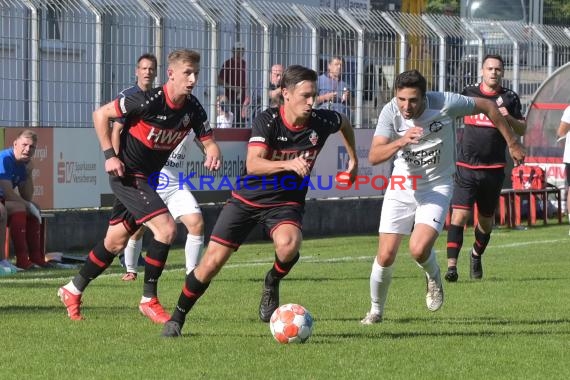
[[282, 150], [158, 120], [481, 167]]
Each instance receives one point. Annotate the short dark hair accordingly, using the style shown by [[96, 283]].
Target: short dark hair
[[411, 78], [151, 57], [494, 56], [295, 74]]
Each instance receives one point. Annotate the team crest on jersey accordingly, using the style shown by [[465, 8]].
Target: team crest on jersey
[[186, 120], [314, 138], [500, 101], [435, 126]]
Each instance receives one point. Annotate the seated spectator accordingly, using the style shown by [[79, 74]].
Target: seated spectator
[[224, 117], [17, 185], [232, 77], [272, 94]]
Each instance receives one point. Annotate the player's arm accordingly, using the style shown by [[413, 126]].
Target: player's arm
[[258, 164], [383, 148], [213, 154], [101, 118], [490, 109], [563, 129], [349, 142], [519, 126], [116, 135]]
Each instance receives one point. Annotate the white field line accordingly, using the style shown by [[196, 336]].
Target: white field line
[[257, 262]]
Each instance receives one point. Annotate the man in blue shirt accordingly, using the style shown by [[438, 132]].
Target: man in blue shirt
[[334, 94], [23, 216]]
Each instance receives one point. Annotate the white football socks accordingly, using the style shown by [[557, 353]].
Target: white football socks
[[430, 266], [193, 251], [380, 279], [132, 252]]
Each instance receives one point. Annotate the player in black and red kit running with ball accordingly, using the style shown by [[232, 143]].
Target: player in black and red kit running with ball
[[157, 121], [282, 150], [481, 167]]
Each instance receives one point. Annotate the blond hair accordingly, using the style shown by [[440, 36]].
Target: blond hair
[[28, 133], [183, 55]]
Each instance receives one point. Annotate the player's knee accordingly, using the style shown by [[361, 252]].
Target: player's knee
[[195, 225], [287, 245]]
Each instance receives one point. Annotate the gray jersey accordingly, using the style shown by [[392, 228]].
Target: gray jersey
[[434, 156]]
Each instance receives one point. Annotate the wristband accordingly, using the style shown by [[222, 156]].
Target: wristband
[[109, 153]]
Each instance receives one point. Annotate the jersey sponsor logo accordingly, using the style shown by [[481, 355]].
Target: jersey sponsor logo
[[163, 139], [161, 117], [310, 155], [500, 101], [257, 139], [281, 138], [479, 120], [206, 126], [422, 157]]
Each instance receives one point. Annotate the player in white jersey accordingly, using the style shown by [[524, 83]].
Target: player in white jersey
[[182, 206], [416, 129]]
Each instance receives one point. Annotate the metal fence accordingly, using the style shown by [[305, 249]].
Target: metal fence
[[60, 59]]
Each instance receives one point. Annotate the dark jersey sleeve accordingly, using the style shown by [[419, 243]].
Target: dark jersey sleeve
[[135, 105], [200, 123], [263, 128], [514, 107]]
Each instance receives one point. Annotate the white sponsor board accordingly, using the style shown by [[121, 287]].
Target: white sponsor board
[[79, 176]]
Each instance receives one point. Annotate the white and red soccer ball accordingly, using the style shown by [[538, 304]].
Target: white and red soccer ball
[[291, 323]]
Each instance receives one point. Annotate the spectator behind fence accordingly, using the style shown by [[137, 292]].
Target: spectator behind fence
[[224, 117], [563, 130], [17, 185], [334, 94], [273, 94], [233, 77], [145, 73]]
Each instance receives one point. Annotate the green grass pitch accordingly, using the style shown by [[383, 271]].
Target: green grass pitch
[[514, 324]]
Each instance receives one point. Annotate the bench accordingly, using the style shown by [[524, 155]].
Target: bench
[[511, 199]]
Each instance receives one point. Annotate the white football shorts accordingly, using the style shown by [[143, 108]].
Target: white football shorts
[[180, 202], [402, 209]]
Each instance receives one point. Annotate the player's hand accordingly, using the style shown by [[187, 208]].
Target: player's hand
[[413, 135], [352, 170], [115, 167], [299, 165], [212, 162], [517, 152]]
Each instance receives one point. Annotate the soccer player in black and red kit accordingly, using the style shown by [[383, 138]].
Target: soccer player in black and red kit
[[157, 121], [282, 150], [481, 167]]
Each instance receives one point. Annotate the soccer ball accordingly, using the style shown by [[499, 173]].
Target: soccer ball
[[291, 323]]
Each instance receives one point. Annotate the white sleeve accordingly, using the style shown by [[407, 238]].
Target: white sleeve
[[566, 115], [457, 105], [385, 125]]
